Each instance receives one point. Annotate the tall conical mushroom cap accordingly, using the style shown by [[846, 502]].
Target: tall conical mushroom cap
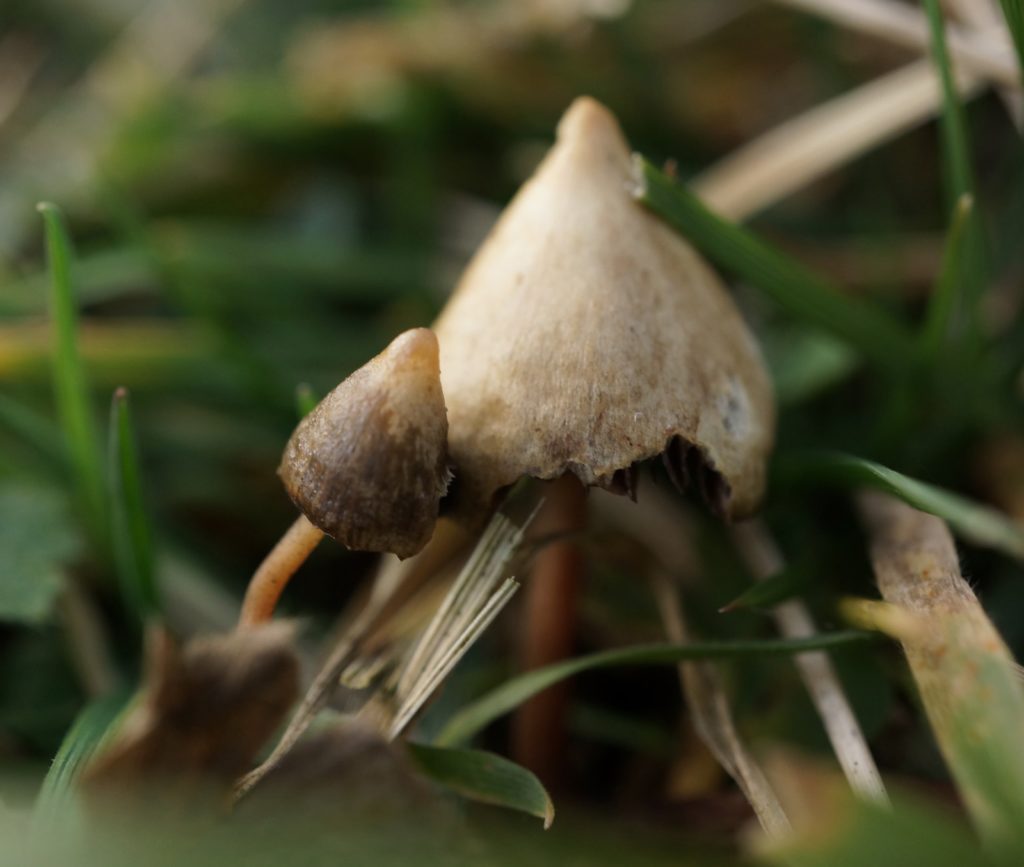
[[368, 464], [585, 335]]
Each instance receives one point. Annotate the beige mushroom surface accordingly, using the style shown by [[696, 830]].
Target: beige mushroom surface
[[585, 336], [368, 464]]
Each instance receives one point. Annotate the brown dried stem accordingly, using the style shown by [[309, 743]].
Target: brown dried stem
[[549, 630]]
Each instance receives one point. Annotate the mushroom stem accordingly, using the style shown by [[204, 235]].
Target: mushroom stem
[[276, 570], [549, 629]]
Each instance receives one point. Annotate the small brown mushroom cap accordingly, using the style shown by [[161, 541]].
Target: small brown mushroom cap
[[586, 335], [368, 464]]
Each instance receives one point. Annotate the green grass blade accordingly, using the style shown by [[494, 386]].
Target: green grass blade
[[485, 777], [1013, 11], [76, 418], [133, 553], [78, 747], [511, 694], [977, 523], [802, 294], [770, 592], [956, 145], [957, 163], [948, 291]]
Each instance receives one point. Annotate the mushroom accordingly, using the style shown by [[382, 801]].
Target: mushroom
[[367, 466], [586, 336]]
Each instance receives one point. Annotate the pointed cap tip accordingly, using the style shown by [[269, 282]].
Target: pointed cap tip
[[417, 346], [368, 464], [586, 118]]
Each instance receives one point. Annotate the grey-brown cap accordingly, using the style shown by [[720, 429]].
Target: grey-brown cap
[[368, 465], [586, 335]]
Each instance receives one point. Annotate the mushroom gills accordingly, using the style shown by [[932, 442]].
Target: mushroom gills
[[685, 464]]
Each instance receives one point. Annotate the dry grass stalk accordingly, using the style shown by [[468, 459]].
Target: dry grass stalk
[[982, 16], [396, 583], [477, 620], [477, 596], [659, 522], [984, 19], [808, 146], [709, 708], [904, 25], [763, 558], [966, 677]]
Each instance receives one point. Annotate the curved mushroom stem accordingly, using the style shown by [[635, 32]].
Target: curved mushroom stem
[[276, 570], [549, 630]]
